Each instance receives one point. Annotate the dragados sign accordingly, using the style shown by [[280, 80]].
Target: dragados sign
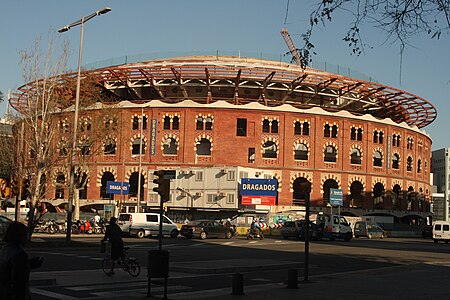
[[258, 191]]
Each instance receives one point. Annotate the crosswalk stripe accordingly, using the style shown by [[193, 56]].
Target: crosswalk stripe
[[52, 294]]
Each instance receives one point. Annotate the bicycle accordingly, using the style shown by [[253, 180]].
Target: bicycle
[[129, 264]]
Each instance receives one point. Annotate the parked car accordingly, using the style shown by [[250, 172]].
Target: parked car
[[4, 223], [296, 230], [203, 229], [369, 230], [146, 224], [427, 231], [441, 231]]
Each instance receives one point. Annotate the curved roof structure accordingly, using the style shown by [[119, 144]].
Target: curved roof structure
[[206, 79]]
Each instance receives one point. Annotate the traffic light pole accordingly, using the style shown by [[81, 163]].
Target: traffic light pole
[[161, 214], [305, 277]]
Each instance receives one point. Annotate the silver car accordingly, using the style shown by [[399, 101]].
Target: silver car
[[369, 230]]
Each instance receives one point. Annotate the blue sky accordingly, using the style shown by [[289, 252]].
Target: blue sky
[[147, 26]]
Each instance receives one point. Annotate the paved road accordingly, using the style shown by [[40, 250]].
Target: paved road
[[197, 267]]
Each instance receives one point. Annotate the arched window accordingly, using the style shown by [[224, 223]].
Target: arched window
[[176, 123], [330, 154], [170, 147], [395, 161], [334, 131], [85, 147], [199, 123], [63, 148], [378, 195], [360, 133], [136, 147], [208, 123], [266, 126], [134, 183], [107, 176], [269, 150], [301, 152], [135, 122], [355, 157], [166, 124], [377, 159], [353, 134], [409, 163], [356, 194], [274, 128], [375, 137], [60, 183], [380, 137], [305, 129], [109, 146], [297, 128], [326, 130], [144, 122], [203, 147], [327, 186], [396, 197], [419, 166]]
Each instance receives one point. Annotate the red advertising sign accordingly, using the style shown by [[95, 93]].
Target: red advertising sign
[[258, 200]]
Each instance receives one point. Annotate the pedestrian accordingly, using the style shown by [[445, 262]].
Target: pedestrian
[[97, 219], [113, 234], [15, 265]]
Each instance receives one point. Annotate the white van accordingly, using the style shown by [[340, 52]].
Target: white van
[[441, 231], [146, 224]]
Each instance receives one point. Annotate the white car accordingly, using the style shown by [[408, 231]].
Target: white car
[[146, 224]]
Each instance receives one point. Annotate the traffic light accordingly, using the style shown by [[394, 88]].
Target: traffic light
[[15, 186], [305, 187], [163, 188]]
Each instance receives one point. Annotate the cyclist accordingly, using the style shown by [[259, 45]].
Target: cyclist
[[114, 235]]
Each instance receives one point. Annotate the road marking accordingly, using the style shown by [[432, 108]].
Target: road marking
[[52, 294], [103, 286], [227, 243]]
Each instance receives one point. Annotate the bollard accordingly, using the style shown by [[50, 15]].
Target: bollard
[[292, 279], [238, 284]]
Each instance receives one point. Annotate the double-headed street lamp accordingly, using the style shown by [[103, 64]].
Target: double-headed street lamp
[[75, 118]]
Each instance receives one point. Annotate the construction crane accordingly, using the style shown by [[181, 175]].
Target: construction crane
[[294, 51]]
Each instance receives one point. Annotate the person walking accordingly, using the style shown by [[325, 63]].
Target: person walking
[[15, 265], [113, 234]]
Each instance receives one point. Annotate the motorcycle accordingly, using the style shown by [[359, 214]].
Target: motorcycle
[[255, 234]]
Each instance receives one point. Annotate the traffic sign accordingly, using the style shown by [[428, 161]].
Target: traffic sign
[[117, 187], [336, 197]]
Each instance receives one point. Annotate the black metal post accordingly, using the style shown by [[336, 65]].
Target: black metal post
[[161, 212], [307, 238]]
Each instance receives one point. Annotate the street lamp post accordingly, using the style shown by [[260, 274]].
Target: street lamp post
[[75, 118]]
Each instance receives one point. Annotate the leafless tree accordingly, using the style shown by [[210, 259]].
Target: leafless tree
[[48, 119], [399, 20]]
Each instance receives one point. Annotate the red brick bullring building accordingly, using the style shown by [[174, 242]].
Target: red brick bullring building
[[294, 125]]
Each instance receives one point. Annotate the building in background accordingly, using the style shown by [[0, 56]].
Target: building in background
[[217, 120], [440, 168]]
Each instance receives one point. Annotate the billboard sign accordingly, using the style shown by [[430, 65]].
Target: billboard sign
[[117, 187], [153, 137], [258, 191]]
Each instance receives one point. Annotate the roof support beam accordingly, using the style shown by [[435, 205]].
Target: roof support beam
[[208, 86], [292, 86], [180, 82], [133, 92], [236, 87], [266, 81], [152, 82]]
